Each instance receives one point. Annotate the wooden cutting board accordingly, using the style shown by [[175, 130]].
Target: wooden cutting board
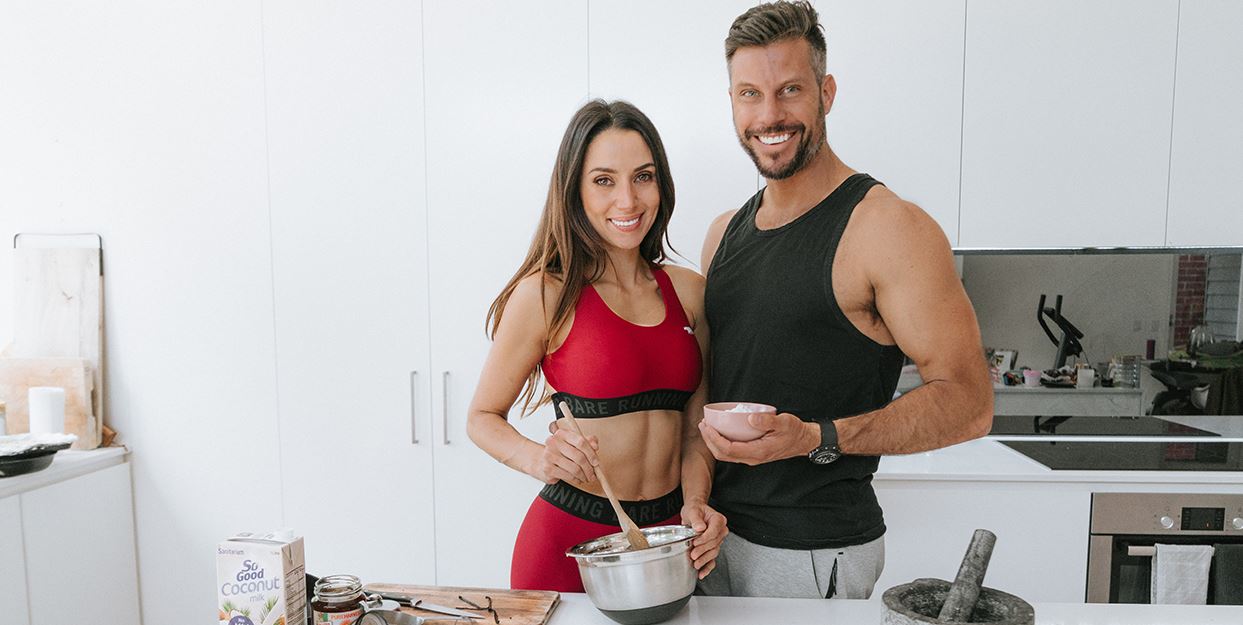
[[58, 309], [74, 375], [515, 607]]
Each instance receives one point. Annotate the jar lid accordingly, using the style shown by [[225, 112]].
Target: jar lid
[[337, 588]]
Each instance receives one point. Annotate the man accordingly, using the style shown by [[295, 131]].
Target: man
[[816, 288]]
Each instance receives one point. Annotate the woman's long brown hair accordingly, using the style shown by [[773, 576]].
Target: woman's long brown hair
[[566, 246]]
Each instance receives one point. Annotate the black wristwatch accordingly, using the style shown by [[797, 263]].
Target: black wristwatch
[[827, 451]]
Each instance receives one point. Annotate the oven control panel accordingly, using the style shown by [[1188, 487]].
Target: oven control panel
[[1167, 513]]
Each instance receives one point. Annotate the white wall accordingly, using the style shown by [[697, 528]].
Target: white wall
[[144, 122], [1117, 301]]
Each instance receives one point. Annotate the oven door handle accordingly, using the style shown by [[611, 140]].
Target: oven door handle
[[1142, 552]]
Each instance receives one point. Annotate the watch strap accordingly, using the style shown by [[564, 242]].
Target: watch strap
[[828, 451]]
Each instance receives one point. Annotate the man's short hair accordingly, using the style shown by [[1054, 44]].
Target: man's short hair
[[771, 22]]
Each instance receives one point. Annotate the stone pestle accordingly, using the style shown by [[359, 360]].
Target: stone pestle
[[928, 601], [966, 588]]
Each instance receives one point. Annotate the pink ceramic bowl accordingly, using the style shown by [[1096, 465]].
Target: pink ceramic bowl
[[730, 419]]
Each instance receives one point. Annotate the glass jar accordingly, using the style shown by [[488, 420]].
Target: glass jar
[[338, 600], [1126, 371]]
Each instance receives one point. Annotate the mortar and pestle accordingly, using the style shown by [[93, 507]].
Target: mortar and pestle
[[965, 601]]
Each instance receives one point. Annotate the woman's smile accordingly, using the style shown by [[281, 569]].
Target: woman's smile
[[626, 225]]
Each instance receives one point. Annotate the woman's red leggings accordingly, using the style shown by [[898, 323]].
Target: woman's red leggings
[[564, 516]]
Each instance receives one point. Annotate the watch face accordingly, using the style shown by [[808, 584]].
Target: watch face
[[825, 455]]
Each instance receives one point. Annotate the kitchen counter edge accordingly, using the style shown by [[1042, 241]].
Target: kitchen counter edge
[[65, 466], [986, 460], [577, 609]]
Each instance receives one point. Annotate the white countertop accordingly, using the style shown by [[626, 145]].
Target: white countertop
[[1095, 390], [576, 609], [989, 460], [66, 465]]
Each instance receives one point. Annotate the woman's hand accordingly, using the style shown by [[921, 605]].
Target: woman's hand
[[567, 456], [710, 525]]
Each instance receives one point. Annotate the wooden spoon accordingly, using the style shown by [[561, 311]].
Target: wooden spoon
[[633, 533]]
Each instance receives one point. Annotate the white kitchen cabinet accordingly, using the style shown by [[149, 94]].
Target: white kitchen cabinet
[[1066, 123], [1206, 166], [502, 84], [677, 77], [1042, 534], [79, 549], [345, 134], [13, 555], [898, 110]]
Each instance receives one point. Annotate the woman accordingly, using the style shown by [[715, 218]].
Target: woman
[[619, 336]]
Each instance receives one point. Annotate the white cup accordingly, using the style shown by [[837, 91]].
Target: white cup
[[47, 409], [1031, 378], [1085, 377]]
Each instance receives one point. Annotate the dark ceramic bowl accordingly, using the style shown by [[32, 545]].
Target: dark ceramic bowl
[[25, 462], [29, 461]]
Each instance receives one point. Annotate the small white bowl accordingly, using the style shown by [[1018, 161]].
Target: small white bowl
[[731, 421]]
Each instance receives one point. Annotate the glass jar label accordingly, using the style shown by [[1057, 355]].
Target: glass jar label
[[338, 618]]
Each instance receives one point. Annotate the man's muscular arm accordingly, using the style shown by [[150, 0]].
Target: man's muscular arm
[[920, 299]]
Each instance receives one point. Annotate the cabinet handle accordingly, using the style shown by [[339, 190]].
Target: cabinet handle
[[414, 402], [444, 408]]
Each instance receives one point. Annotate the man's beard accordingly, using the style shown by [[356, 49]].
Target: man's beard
[[808, 148]]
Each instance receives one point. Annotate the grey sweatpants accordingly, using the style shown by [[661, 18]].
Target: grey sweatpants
[[745, 569]]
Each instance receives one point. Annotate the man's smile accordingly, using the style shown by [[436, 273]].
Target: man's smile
[[776, 136], [775, 139]]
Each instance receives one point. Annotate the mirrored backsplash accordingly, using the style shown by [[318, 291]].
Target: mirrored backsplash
[[1119, 302], [1153, 306]]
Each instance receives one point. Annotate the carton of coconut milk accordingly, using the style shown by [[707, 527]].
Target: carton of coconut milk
[[261, 580]]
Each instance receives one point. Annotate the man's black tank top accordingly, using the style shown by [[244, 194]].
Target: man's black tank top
[[780, 338]]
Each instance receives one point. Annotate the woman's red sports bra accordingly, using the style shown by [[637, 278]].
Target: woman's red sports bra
[[608, 366]]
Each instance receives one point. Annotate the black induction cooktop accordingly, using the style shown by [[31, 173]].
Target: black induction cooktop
[[1190, 455], [1013, 425]]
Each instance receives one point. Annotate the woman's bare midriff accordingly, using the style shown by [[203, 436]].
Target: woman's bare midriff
[[640, 452]]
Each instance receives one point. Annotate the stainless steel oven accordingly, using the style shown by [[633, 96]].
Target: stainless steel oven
[[1126, 526]]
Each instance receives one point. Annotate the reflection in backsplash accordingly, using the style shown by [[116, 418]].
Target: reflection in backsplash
[[1143, 305], [1119, 301]]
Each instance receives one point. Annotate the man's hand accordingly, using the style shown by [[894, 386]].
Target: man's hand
[[710, 525], [785, 436]]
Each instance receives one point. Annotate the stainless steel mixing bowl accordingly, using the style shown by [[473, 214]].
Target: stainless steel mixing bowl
[[638, 587]]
